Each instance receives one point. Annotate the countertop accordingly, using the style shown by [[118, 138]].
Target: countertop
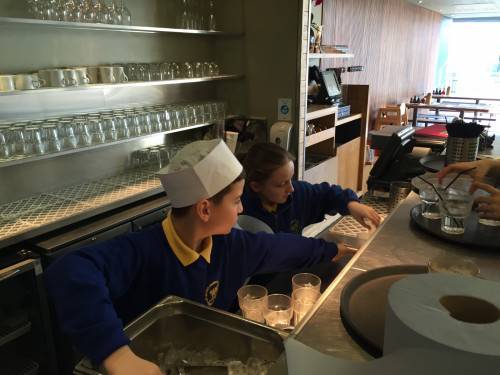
[[396, 241]]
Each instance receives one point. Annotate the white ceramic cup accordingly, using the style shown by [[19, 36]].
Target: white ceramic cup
[[106, 74], [52, 77], [82, 75], [7, 83], [27, 81], [70, 77]]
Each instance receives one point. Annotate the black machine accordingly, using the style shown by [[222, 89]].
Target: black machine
[[330, 91], [395, 162]]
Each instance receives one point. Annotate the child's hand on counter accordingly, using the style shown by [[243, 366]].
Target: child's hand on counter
[[343, 250], [124, 362], [363, 213]]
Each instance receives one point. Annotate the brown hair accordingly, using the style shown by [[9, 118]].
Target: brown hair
[[263, 159], [216, 199]]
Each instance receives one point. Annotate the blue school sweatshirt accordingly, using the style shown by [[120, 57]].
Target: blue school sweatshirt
[[98, 289], [307, 205]]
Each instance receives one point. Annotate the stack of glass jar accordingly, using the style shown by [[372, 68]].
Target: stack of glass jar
[[170, 70], [24, 139], [155, 157], [89, 11]]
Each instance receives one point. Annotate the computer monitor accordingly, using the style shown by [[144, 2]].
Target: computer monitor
[[332, 86]]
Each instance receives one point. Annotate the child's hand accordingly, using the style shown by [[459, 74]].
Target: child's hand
[[124, 362], [343, 250], [488, 207], [362, 213]]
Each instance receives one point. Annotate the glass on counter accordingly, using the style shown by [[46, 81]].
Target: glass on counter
[[303, 299], [253, 303], [306, 280], [278, 312], [454, 206]]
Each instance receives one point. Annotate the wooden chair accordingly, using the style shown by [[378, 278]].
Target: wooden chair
[[391, 115]]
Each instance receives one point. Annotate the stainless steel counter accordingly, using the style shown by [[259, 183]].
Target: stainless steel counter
[[397, 241]]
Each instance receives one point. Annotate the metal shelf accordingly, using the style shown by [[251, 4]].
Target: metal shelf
[[120, 85], [331, 55], [6, 337], [29, 159], [8, 21]]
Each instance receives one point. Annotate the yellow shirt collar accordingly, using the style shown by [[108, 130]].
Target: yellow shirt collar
[[184, 253], [271, 208]]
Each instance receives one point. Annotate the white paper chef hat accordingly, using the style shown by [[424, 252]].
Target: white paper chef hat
[[199, 171]]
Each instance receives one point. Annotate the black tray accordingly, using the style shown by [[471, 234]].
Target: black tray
[[433, 163], [363, 304], [477, 235]]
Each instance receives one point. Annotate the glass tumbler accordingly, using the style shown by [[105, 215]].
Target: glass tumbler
[[252, 300], [278, 313], [430, 203], [303, 299], [455, 206], [50, 138], [306, 280]]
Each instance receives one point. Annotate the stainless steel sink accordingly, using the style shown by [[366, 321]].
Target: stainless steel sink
[[176, 328]]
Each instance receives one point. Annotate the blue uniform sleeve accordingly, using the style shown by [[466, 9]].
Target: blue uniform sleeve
[[319, 199], [82, 286], [280, 252]]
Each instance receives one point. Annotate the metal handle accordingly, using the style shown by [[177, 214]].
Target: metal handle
[[8, 275]]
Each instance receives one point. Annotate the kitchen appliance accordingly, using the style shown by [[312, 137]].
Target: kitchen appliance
[[280, 133]]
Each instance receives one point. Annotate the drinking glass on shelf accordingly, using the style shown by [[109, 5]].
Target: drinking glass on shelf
[[306, 280], [4, 142], [155, 159], [208, 113], [303, 299], [82, 132], [278, 313], [126, 16], [69, 9], [187, 70], [101, 11], [183, 19], [156, 120], [96, 132], [89, 14], [109, 128], [122, 128], [252, 300], [206, 69], [134, 124], [16, 140], [67, 133], [50, 138], [145, 121], [213, 69], [32, 141], [189, 115], [212, 23], [197, 69]]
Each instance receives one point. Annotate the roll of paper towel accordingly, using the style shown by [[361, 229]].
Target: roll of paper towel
[[448, 313]]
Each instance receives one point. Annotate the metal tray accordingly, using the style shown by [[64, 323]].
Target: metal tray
[[363, 304], [433, 163], [179, 325], [476, 235]]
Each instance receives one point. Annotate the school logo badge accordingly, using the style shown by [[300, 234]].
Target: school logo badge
[[295, 226], [211, 293]]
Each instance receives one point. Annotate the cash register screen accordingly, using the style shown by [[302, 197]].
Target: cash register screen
[[331, 84]]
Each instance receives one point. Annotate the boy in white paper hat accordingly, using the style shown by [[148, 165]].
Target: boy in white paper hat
[[194, 254]]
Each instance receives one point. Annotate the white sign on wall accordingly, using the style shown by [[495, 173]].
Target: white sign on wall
[[284, 109]]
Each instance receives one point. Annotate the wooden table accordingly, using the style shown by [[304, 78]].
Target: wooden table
[[475, 99], [461, 108]]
